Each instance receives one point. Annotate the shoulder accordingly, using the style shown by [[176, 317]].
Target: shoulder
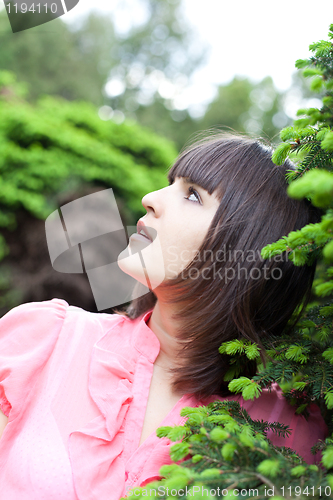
[[32, 333], [29, 322], [55, 308], [35, 319], [28, 334]]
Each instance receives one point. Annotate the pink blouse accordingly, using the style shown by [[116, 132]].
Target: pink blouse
[[75, 386]]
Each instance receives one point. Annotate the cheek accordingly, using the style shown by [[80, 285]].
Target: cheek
[[180, 251], [181, 242], [193, 236]]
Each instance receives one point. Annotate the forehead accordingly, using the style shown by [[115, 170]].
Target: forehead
[[200, 168]]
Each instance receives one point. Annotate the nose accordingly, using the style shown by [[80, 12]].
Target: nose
[[152, 202], [148, 202]]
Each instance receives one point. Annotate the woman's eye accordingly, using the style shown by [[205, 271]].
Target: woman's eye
[[193, 195]]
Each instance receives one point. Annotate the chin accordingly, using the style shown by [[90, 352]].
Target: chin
[[143, 262], [131, 265]]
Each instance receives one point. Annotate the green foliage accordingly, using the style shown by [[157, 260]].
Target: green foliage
[[297, 353], [281, 153], [328, 457], [303, 367], [310, 142], [240, 347], [218, 458], [222, 438], [247, 387], [239, 351], [56, 146], [317, 185], [312, 133], [329, 399], [269, 467]]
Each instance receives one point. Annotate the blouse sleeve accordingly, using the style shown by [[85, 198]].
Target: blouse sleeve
[[28, 334]]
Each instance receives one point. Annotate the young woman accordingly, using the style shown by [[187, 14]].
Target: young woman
[[82, 394]]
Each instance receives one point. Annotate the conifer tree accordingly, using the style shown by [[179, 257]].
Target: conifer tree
[[220, 448]]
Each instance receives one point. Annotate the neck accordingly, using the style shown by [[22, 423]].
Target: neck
[[165, 328]]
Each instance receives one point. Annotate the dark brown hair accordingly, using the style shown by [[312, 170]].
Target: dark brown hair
[[254, 210]]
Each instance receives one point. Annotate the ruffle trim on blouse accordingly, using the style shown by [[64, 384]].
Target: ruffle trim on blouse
[[5, 406], [98, 463], [95, 451]]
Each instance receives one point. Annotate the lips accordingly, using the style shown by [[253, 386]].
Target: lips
[[140, 227]]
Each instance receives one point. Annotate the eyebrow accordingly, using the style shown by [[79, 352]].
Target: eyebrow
[[203, 191], [188, 180]]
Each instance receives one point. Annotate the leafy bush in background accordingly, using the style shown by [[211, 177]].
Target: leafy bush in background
[[56, 145], [55, 149]]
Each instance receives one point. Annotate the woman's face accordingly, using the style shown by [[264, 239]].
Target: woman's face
[[178, 217]]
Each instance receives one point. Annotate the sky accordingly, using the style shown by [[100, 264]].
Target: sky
[[253, 38], [249, 38]]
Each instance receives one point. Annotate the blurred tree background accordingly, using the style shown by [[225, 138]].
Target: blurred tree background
[[139, 74], [78, 104]]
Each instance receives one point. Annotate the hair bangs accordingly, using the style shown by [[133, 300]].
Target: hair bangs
[[202, 167]]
